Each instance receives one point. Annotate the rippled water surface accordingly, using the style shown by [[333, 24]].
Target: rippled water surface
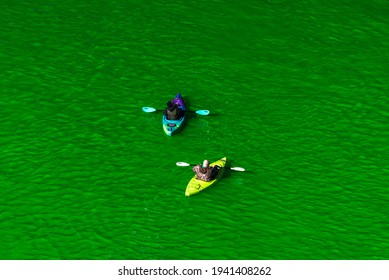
[[298, 94]]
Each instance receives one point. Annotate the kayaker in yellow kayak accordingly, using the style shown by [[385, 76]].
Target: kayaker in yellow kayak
[[205, 172], [172, 112]]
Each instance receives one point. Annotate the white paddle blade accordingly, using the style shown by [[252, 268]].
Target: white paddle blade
[[148, 109], [180, 163], [238, 168]]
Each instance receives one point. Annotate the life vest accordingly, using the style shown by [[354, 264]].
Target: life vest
[[204, 174], [173, 115]]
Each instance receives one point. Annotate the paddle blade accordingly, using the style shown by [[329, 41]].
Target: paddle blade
[[202, 112], [148, 109], [180, 163], [238, 169]]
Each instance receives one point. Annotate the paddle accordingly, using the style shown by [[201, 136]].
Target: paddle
[[150, 110], [180, 163]]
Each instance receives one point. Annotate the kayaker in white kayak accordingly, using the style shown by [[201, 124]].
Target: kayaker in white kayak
[[172, 112], [205, 172]]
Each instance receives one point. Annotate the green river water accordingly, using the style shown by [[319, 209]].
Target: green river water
[[298, 94]]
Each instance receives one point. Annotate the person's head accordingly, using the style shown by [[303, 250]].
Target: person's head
[[170, 104], [205, 163]]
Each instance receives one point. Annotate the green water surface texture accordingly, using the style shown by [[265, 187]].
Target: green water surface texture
[[298, 94]]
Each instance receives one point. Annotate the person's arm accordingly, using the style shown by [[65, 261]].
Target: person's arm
[[196, 168]]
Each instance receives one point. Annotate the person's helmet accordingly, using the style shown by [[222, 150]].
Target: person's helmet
[[205, 163]]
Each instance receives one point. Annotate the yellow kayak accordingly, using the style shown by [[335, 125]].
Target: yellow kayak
[[195, 185]]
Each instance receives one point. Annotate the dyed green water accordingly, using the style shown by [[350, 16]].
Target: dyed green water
[[299, 96]]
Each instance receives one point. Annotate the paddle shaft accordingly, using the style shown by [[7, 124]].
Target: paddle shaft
[[159, 110], [181, 163]]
